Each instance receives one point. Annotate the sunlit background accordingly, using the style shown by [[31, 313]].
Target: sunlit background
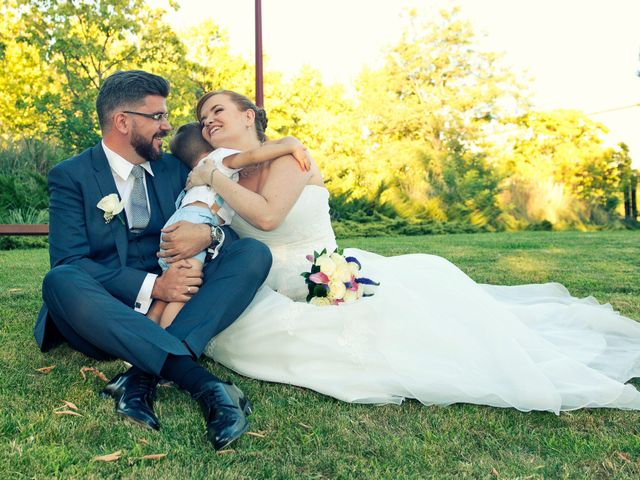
[[424, 116], [579, 54]]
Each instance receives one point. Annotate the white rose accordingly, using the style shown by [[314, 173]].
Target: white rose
[[351, 296], [327, 266], [343, 273], [353, 266], [336, 290], [337, 258], [111, 206], [109, 203]]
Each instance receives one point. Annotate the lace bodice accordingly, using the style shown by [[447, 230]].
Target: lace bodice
[[306, 228]]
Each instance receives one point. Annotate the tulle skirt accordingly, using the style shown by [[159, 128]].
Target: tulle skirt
[[432, 334]]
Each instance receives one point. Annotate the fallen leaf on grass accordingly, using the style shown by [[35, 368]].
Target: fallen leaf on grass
[[15, 290], [155, 456], [112, 457], [494, 472], [144, 441], [257, 434], [225, 452], [67, 412], [45, 370], [95, 371], [72, 406], [308, 427], [608, 465], [623, 456]]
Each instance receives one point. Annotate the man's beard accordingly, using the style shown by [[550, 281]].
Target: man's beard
[[145, 148]]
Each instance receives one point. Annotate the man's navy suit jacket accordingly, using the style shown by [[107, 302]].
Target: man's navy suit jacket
[[79, 234]]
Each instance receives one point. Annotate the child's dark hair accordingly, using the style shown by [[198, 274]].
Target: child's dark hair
[[188, 144]]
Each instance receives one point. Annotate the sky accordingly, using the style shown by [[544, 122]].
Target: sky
[[581, 54]]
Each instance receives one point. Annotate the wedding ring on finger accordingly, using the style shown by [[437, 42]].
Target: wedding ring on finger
[[188, 289]]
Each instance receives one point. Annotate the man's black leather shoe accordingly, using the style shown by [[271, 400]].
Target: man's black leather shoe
[[134, 392], [225, 410]]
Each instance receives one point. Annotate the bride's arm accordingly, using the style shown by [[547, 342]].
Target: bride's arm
[[268, 209]]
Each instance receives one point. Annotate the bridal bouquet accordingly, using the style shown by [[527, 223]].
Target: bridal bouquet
[[333, 279]]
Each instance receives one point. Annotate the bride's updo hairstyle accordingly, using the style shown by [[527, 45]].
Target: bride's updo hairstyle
[[243, 104]]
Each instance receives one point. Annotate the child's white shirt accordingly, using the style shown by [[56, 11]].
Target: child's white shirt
[[205, 194]]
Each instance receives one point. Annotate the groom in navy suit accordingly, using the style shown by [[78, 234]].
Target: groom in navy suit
[[104, 271]]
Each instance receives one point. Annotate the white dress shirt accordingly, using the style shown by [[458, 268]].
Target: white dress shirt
[[121, 170]]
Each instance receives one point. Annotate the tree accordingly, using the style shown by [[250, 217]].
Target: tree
[[85, 41], [441, 94], [207, 65], [559, 157], [628, 182], [25, 81]]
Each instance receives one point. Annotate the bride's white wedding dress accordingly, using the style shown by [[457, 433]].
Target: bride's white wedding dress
[[429, 333]]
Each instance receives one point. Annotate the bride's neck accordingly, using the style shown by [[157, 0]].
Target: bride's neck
[[242, 144]]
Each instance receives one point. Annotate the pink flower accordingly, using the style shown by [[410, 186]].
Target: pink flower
[[319, 277]]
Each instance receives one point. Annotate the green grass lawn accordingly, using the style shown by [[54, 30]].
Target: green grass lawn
[[301, 434]]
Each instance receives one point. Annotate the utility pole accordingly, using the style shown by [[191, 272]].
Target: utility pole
[[259, 81]]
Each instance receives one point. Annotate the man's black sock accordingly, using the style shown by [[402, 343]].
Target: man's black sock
[[185, 372]]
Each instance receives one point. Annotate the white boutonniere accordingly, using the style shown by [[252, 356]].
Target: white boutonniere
[[111, 206]]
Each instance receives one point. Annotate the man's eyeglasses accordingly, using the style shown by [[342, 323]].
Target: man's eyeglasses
[[153, 116]]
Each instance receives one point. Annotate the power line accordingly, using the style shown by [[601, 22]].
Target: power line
[[615, 109]]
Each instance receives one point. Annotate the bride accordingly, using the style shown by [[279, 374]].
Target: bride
[[429, 333]]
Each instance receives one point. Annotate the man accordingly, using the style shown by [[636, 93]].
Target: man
[[104, 271]]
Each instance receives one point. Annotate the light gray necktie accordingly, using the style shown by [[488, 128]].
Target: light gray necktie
[[139, 210]]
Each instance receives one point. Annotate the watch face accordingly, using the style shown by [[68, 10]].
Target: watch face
[[217, 238], [217, 234]]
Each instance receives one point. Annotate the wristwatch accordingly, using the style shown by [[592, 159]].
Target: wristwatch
[[217, 238]]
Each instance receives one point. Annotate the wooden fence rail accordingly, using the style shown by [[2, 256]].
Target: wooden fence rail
[[20, 229]]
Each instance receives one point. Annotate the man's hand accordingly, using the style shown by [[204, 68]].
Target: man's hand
[[184, 240], [201, 175], [178, 283]]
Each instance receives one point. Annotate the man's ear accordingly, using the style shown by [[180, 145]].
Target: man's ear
[[121, 122]]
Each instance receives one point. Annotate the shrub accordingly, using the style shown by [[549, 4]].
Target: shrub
[[24, 164]]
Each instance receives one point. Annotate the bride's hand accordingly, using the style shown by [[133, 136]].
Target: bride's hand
[[201, 175]]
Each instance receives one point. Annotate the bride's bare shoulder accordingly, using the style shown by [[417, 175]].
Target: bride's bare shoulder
[[287, 168]]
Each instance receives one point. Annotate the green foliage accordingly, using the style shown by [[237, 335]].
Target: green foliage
[[25, 80], [84, 42], [543, 226], [29, 155], [23, 185], [13, 242], [384, 227], [440, 137], [23, 191], [562, 154]]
